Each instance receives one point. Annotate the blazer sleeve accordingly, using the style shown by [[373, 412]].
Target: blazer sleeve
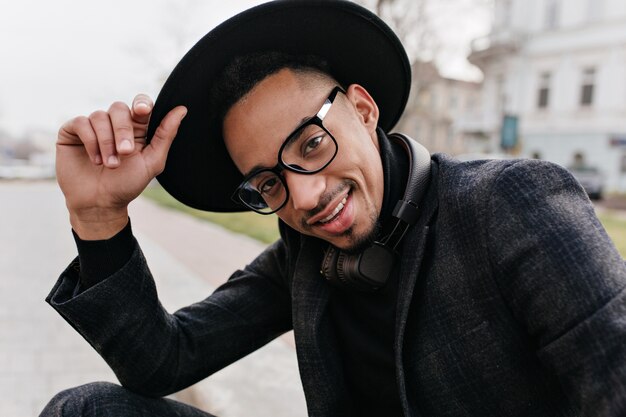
[[564, 281], [155, 353]]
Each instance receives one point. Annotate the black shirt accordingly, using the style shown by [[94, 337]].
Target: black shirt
[[365, 322]]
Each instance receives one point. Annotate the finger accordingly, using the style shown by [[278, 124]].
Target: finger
[[88, 136], [78, 132], [123, 130], [155, 153], [139, 131], [141, 109], [101, 124]]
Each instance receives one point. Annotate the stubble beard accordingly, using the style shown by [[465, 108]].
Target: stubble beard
[[356, 242]]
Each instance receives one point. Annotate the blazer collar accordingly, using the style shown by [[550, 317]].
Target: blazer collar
[[411, 259], [318, 360], [316, 346]]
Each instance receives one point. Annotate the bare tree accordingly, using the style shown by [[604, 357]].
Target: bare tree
[[410, 20], [429, 31]]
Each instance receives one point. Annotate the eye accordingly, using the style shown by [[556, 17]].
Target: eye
[[310, 145], [269, 186]]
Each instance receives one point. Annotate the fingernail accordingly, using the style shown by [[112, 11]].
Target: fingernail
[[183, 115], [113, 160], [126, 145], [142, 104], [98, 159]]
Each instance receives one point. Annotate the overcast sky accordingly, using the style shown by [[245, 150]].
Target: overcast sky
[[62, 58]]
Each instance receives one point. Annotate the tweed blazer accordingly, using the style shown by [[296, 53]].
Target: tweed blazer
[[511, 302]]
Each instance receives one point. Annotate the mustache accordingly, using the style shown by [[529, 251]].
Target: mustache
[[325, 201]]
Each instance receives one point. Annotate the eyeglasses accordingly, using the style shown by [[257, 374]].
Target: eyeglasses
[[307, 150]]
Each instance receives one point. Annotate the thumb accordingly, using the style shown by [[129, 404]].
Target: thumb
[[155, 153]]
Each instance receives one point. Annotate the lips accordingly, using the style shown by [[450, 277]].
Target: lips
[[340, 219], [331, 209]]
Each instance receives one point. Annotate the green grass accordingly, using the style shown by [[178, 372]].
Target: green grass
[[257, 226], [616, 228], [265, 228]]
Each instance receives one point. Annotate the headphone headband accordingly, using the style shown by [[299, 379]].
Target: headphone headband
[[370, 270]]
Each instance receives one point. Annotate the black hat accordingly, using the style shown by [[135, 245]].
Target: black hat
[[359, 47]]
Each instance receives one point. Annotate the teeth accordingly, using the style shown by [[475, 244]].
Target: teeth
[[335, 211]]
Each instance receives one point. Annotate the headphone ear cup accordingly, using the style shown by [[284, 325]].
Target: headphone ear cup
[[342, 259], [336, 265], [341, 269], [329, 269], [370, 269]]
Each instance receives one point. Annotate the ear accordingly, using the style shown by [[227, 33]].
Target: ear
[[365, 106]]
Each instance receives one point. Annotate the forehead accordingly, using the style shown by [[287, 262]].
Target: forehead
[[256, 126]]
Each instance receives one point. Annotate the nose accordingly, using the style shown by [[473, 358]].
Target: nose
[[304, 190]]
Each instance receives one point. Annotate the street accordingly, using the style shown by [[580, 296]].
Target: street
[[40, 354]]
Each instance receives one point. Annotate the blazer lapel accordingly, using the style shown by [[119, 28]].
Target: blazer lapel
[[411, 259], [320, 366]]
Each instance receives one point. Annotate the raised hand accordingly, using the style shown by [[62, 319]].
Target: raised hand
[[103, 163]]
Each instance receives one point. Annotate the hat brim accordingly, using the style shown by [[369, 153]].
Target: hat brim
[[360, 48]]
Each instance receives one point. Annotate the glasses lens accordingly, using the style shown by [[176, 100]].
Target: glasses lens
[[309, 149], [264, 192]]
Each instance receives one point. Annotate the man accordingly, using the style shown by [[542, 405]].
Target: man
[[506, 297]]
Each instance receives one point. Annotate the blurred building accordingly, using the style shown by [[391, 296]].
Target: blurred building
[[6, 148], [29, 157], [443, 114], [555, 83]]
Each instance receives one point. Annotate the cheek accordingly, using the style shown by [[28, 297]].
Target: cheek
[[360, 160], [292, 221]]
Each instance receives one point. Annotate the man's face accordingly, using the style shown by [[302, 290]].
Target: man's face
[[256, 126]]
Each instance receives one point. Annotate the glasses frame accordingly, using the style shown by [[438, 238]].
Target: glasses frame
[[281, 166]]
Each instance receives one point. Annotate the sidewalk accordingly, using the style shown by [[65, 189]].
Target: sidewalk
[[40, 354]]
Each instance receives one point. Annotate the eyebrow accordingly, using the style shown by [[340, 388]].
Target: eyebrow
[[302, 122], [255, 169]]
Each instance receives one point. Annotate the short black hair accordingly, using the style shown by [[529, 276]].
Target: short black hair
[[244, 72]]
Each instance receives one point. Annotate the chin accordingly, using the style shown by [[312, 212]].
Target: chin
[[353, 242]]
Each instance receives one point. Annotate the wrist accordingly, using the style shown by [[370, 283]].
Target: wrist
[[98, 225]]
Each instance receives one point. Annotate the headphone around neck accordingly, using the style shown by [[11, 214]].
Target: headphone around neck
[[370, 269]]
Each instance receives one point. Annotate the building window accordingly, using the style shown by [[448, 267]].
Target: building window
[[471, 103], [506, 13], [450, 137], [552, 14], [454, 101], [500, 94], [424, 98], [587, 87], [578, 161], [433, 133], [543, 94]]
